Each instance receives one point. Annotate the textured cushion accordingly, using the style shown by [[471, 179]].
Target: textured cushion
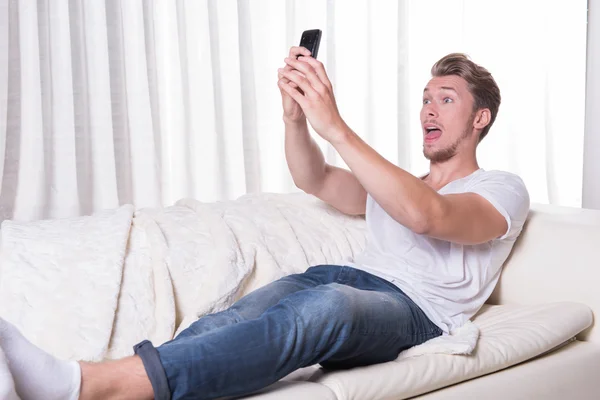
[[510, 334], [289, 390], [570, 372], [554, 259]]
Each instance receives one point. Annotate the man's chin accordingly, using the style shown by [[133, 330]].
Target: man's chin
[[429, 152], [438, 156]]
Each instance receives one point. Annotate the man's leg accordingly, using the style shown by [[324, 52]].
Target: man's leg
[[335, 324], [38, 374], [257, 302], [119, 379], [358, 320]]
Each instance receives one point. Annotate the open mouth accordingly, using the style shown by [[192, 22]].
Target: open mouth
[[432, 133]]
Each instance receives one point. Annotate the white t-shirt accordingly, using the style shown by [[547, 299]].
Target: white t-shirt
[[448, 281]]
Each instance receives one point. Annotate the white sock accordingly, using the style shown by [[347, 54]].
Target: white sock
[[37, 374], [7, 385]]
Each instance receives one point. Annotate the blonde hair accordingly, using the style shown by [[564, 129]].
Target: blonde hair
[[481, 84]]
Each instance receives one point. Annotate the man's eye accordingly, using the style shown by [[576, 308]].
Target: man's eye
[[426, 101], [448, 100]]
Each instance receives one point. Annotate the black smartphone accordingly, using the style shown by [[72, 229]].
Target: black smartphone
[[311, 39]]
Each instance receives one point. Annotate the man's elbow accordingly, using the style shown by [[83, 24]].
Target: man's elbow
[[421, 225], [426, 220]]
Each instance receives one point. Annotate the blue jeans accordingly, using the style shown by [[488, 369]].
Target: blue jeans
[[337, 316]]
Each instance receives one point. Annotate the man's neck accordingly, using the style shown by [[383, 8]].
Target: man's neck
[[440, 174]]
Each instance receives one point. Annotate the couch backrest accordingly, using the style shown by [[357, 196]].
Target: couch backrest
[[556, 258]]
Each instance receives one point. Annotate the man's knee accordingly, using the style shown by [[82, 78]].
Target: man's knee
[[337, 297], [331, 304]]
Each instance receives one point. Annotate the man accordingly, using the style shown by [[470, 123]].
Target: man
[[434, 254]]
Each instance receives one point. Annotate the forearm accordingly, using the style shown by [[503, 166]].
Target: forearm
[[403, 196], [304, 157]]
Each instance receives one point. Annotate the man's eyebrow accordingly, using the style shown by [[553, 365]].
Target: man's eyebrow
[[443, 87], [450, 88]]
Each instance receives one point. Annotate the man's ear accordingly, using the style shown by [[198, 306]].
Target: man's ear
[[483, 116]]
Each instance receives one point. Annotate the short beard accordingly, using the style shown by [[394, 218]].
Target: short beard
[[444, 155]]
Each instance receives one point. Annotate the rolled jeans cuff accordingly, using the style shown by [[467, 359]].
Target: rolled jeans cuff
[[154, 369]]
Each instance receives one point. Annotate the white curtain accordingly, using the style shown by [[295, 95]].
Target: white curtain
[[147, 101]]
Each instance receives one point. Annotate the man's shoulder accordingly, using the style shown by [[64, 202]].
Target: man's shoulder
[[499, 173], [500, 177], [503, 187]]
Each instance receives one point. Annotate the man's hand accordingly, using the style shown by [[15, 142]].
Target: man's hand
[[316, 99], [292, 113]]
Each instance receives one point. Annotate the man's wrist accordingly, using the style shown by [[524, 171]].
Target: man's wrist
[[294, 122], [339, 134]]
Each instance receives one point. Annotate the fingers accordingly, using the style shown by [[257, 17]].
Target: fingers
[[300, 80], [292, 84], [294, 93], [286, 68], [296, 51], [280, 76], [319, 69], [307, 71]]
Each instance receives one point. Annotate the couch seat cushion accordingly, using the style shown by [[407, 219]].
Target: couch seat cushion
[[509, 334], [570, 372]]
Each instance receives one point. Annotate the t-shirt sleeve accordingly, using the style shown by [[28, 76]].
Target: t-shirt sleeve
[[508, 194]]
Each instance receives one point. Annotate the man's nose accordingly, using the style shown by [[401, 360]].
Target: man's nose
[[432, 111]]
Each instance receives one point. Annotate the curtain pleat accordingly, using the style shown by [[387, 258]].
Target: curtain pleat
[[403, 154], [31, 199], [173, 129], [247, 53], [188, 186], [331, 155], [144, 176], [119, 106], [12, 138], [225, 184], [81, 107], [4, 62], [101, 129], [204, 117], [57, 94]]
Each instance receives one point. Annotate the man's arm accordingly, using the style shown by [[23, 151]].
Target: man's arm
[[304, 157], [335, 186], [465, 218], [343, 191]]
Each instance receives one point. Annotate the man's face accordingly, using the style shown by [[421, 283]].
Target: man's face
[[446, 117]]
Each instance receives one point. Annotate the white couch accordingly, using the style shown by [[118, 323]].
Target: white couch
[[149, 273], [537, 338]]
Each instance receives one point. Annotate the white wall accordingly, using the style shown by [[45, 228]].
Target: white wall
[[591, 154]]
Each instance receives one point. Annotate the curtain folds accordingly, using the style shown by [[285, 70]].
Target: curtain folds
[[110, 102]]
